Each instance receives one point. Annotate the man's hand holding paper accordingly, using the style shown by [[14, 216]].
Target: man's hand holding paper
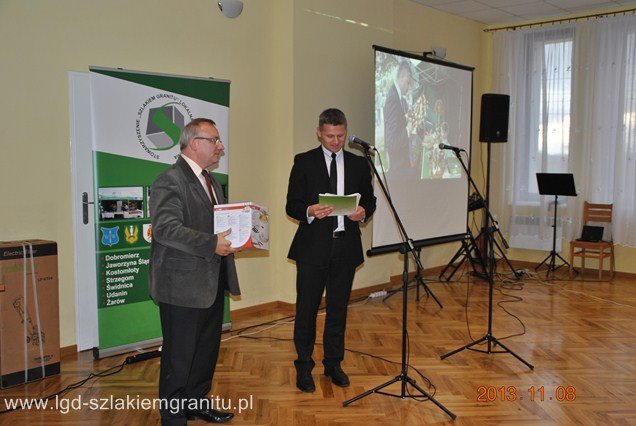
[[359, 214], [223, 245], [319, 211]]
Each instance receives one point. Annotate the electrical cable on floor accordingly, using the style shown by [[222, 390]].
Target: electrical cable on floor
[[243, 329], [467, 303], [512, 299]]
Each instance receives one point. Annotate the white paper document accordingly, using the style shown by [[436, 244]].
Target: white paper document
[[249, 223]]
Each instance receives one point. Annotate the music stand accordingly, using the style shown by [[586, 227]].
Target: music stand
[[555, 184]]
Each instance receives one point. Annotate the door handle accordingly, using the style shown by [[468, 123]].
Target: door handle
[[85, 204]]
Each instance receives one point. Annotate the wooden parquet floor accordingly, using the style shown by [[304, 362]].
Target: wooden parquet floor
[[580, 336]]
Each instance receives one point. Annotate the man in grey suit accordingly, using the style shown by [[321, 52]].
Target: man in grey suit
[[190, 268]]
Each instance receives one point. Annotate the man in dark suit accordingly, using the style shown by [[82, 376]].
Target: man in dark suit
[[190, 268], [327, 249], [396, 136]]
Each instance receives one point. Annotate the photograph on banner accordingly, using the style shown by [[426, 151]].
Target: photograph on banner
[[121, 203]]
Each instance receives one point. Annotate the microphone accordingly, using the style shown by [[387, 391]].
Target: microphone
[[452, 148], [363, 144]]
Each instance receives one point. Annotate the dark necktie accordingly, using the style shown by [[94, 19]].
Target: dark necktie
[[208, 183], [333, 183]]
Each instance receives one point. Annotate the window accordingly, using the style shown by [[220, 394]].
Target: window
[[573, 109], [547, 127]]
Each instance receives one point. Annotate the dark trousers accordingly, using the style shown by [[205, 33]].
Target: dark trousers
[[191, 340], [311, 281]]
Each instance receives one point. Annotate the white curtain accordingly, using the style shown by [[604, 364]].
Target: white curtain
[[573, 110]]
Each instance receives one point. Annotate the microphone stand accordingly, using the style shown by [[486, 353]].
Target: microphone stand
[[403, 378], [490, 272], [417, 277]]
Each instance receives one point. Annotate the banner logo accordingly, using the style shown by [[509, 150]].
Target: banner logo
[[110, 237], [159, 122], [147, 232], [131, 232]]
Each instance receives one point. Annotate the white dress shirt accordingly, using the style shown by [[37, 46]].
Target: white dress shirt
[[198, 172], [340, 184]]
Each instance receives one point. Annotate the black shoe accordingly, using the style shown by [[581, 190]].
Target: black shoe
[[338, 377], [210, 416], [305, 382]]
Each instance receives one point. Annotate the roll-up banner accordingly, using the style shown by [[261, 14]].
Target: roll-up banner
[[137, 119]]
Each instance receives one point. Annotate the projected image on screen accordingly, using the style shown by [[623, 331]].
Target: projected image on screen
[[420, 104], [415, 121]]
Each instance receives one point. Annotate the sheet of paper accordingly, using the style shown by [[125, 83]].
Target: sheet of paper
[[249, 223], [237, 219], [343, 204]]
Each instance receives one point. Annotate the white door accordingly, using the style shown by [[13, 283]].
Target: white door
[[83, 211]]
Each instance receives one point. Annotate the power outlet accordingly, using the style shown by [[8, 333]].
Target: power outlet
[[377, 294]]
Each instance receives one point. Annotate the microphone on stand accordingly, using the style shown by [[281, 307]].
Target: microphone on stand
[[452, 148], [358, 141]]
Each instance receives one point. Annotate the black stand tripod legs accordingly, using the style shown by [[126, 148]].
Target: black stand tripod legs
[[490, 339], [505, 348], [404, 379], [476, 342], [420, 281], [552, 262], [370, 391], [430, 397]]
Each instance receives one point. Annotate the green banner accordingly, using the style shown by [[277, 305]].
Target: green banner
[[137, 122]]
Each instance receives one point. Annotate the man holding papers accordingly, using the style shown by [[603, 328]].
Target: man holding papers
[[190, 268], [327, 249]]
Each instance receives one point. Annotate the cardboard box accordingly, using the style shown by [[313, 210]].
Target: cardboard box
[[29, 311], [249, 223]]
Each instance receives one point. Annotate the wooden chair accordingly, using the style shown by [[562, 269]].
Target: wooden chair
[[596, 250]]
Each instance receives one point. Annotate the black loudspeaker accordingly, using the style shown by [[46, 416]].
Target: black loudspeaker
[[493, 126]]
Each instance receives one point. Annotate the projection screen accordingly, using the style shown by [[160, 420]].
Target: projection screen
[[419, 104]]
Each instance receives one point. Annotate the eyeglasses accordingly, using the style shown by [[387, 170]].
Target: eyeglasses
[[214, 141]]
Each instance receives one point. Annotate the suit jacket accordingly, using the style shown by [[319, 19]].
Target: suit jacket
[[184, 270], [396, 140], [309, 177]]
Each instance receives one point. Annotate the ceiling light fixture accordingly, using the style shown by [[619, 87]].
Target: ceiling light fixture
[[231, 8]]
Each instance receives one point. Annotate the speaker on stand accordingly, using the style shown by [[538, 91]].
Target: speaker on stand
[[493, 125], [494, 128]]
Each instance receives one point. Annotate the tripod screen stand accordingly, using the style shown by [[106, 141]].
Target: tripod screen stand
[[555, 184]]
